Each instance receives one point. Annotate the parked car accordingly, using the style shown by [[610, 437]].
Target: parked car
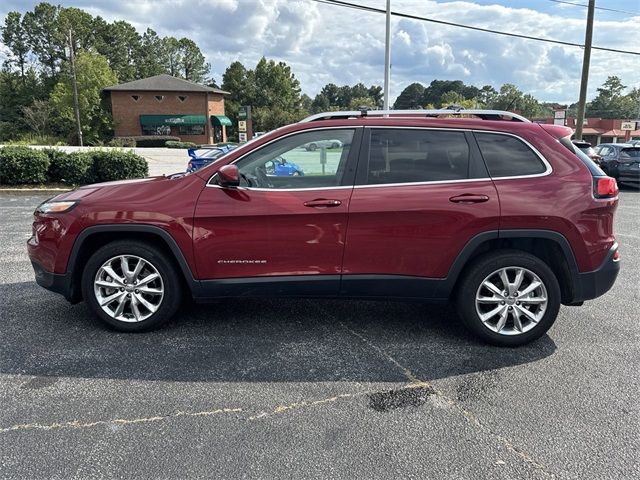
[[199, 157], [504, 217], [329, 143], [588, 150], [280, 167], [621, 161]]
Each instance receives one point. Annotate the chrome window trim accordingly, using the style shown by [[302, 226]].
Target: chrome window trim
[[341, 127], [548, 168]]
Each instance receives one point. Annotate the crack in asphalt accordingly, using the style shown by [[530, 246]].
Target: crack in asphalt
[[471, 418]]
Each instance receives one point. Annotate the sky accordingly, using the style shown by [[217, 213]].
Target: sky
[[330, 44]]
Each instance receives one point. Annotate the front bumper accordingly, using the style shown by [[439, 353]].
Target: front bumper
[[56, 282], [590, 285]]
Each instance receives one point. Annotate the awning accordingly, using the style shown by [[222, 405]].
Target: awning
[[220, 120], [173, 119]]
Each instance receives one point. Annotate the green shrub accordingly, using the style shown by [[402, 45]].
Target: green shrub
[[22, 165], [173, 144], [116, 165], [70, 168], [123, 142]]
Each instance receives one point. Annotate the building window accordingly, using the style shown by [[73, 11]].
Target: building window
[[135, 97], [156, 130], [191, 130], [159, 97], [182, 98]]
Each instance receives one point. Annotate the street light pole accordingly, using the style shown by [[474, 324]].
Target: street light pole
[[387, 57], [585, 70]]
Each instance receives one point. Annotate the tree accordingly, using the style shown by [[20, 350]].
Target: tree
[[37, 116], [120, 44], [147, 58], [41, 26], [15, 38], [93, 75], [410, 98], [171, 56], [433, 93], [510, 98], [276, 99], [611, 101], [192, 63]]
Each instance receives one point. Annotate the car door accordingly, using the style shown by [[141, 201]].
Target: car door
[[420, 196], [279, 234]]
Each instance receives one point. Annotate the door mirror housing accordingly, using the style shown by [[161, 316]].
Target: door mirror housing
[[229, 176]]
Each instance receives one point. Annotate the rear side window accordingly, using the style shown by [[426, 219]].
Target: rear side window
[[591, 165], [507, 156], [630, 153], [408, 155]]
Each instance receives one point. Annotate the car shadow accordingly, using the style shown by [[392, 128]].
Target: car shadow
[[253, 340]]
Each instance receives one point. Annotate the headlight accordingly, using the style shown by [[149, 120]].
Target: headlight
[[56, 207]]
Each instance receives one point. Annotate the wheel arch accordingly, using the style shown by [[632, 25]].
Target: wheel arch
[[94, 237], [551, 247]]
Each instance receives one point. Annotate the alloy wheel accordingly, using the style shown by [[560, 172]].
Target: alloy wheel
[[511, 300], [128, 288]]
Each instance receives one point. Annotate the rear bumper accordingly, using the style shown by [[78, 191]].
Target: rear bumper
[[56, 282], [590, 285]]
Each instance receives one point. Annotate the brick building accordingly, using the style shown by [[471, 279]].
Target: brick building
[[166, 105], [601, 130]]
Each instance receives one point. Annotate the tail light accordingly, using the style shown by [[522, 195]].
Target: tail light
[[604, 187], [617, 256]]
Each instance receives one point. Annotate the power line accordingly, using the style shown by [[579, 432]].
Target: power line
[[564, 2], [340, 3]]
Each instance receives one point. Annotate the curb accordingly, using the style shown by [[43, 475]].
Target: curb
[[35, 190]]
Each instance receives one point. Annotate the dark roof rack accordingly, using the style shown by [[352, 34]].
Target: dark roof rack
[[483, 114]]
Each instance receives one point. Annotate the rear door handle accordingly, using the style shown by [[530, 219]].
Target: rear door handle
[[322, 203], [469, 198]]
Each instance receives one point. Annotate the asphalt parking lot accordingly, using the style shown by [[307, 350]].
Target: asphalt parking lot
[[314, 389]]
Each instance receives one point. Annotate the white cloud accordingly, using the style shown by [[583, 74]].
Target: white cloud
[[325, 43]]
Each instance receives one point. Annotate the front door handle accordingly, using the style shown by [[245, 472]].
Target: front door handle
[[469, 198], [322, 203]]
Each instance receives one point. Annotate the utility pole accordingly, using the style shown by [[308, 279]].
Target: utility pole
[[582, 102], [74, 85], [387, 58]]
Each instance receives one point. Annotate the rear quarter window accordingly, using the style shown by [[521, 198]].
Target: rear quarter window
[[507, 156]]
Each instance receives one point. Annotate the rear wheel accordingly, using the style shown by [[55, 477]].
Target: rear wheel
[[508, 298], [131, 286]]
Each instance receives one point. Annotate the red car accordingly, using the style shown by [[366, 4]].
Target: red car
[[500, 215]]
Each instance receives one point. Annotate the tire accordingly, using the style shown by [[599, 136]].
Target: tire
[[312, 147], [474, 298], [295, 174], [144, 308]]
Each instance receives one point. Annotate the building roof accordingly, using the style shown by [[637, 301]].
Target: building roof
[[164, 83]]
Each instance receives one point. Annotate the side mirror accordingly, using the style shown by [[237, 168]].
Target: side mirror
[[228, 176]]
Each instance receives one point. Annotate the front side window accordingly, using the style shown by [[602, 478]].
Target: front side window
[[508, 156], [304, 160], [408, 156]]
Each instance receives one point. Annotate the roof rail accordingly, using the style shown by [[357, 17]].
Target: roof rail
[[483, 114]]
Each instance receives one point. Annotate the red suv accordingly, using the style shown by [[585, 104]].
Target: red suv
[[503, 216]]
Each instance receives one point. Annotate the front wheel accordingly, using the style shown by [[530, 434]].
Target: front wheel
[[131, 286], [508, 298]]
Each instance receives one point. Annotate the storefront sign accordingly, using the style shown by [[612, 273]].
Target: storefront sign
[[628, 126]]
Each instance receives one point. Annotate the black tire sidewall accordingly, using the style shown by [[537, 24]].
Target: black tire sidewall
[[171, 282], [484, 266]]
